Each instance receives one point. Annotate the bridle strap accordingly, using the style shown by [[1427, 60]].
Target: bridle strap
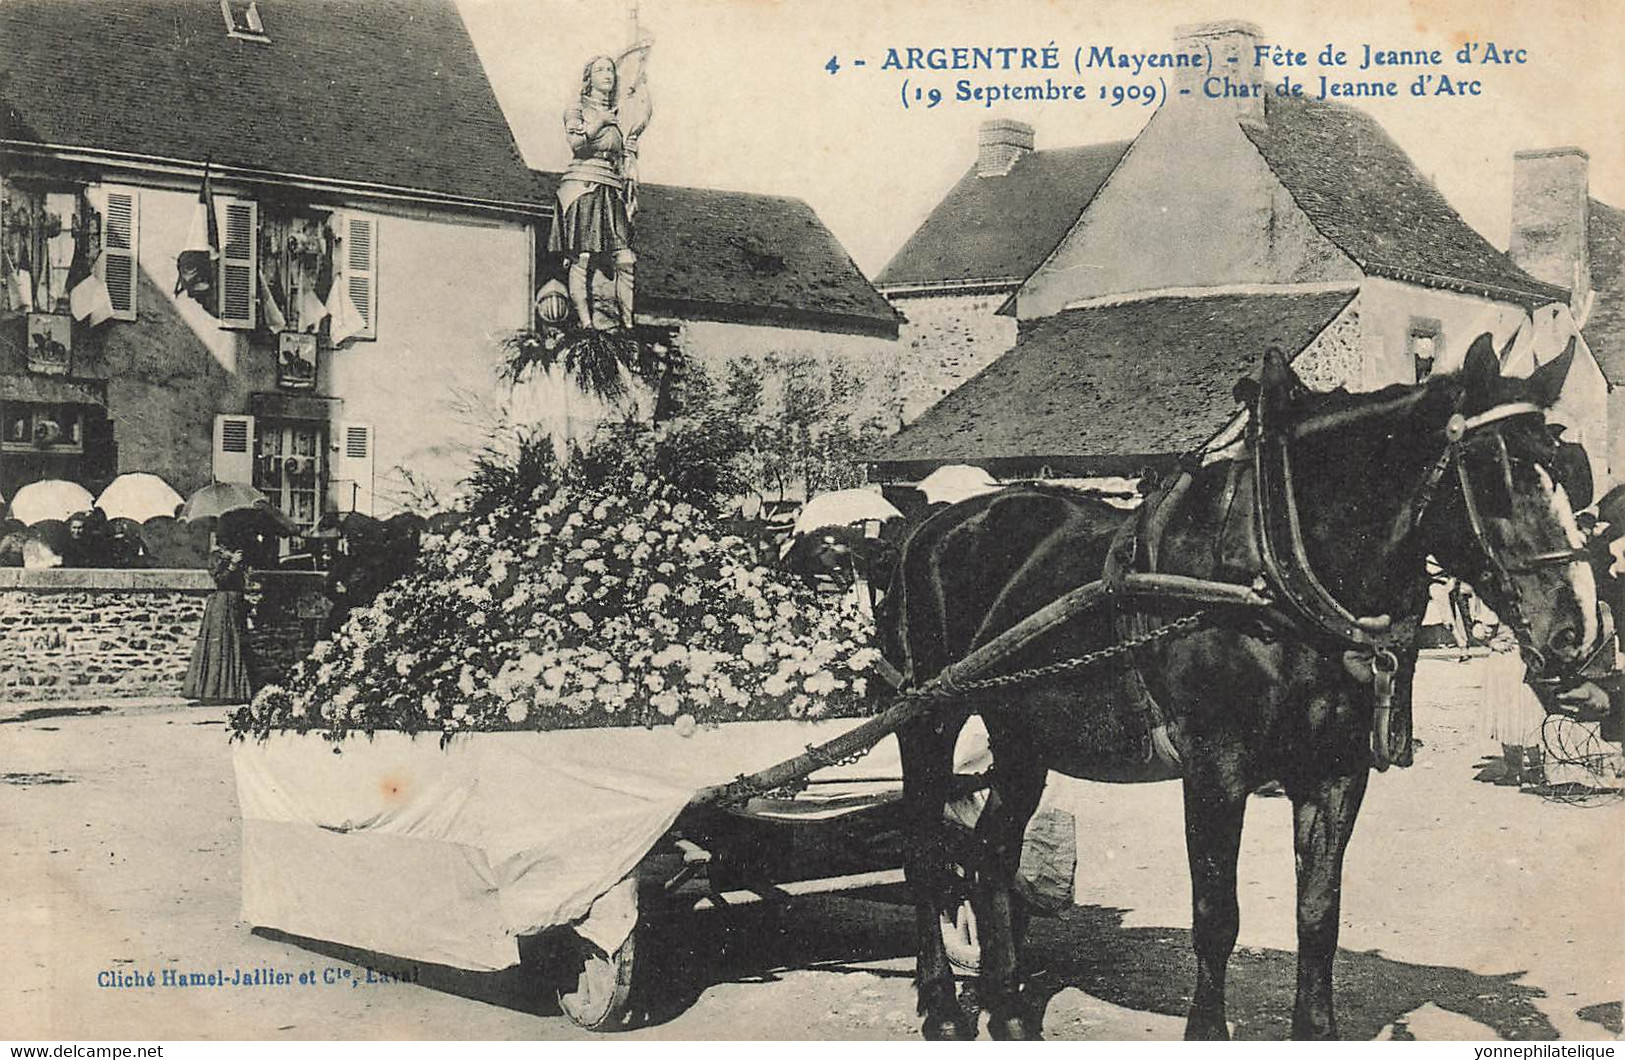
[[1498, 413]]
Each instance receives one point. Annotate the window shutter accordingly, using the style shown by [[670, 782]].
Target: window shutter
[[118, 266], [353, 468], [234, 449], [361, 270], [239, 230]]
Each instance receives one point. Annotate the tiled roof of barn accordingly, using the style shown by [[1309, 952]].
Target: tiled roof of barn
[[1084, 387], [1605, 327], [996, 230], [1362, 192], [379, 92], [742, 257]]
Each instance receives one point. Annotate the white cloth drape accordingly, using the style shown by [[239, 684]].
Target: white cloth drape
[[447, 855]]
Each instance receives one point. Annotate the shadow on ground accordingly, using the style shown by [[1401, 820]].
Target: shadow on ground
[[1152, 969], [1146, 969], [1143, 969], [1606, 1015]]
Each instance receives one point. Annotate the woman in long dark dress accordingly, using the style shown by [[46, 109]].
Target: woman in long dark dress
[[219, 670]]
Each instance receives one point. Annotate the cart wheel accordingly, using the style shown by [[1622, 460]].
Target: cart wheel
[[960, 938], [595, 990]]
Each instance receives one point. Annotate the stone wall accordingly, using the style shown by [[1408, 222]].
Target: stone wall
[[73, 633], [948, 339], [110, 634]]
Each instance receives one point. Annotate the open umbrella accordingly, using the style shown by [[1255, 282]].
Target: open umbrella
[[222, 498], [955, 483], [842, 508], [218, 498], [138, 496], [50, 499]]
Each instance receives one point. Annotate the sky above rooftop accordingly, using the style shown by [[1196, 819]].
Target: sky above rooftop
[[743, 99]]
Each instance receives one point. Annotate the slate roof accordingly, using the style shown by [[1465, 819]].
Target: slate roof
[[1110, 389], [386, 92], [1605, 327], [741, 257], [996, 230], [1364, 194]]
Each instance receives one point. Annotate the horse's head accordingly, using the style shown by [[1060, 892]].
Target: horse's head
[[1502, 517]]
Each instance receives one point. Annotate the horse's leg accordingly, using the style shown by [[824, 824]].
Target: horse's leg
[[927, 755], [1214, 807], [1015, 788], [1322, 821]]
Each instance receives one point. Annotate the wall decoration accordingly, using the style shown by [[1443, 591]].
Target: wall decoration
[[50, 343], [296, 361]]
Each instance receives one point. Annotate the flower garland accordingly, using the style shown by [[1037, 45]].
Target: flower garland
[[606, 603]]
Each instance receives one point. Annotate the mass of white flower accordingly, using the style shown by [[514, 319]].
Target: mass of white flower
[[607, 603]]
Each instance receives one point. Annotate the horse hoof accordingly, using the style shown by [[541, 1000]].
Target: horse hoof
[[1012, 1029], [947, 1029], [1206, 1030]]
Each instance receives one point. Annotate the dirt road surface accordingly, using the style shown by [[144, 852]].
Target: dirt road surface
[[1469, 912]]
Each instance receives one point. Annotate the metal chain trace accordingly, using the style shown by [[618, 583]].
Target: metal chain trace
[[943, 690]]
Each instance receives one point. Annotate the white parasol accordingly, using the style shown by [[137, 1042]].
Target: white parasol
[[52, 498], [955, 483], [139, 496], [843, 508]]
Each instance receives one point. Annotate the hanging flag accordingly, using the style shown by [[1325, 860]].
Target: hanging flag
[[90, 299], [308, 308], [197, 264], [24, 281], [346, 318], [270, 311]]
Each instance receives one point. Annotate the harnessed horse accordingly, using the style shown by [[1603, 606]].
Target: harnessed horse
[[1326, 506]]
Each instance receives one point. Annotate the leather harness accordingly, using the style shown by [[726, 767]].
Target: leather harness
[[1261, 531]]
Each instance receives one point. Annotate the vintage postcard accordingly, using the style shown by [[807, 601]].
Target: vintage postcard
[[719, 520]]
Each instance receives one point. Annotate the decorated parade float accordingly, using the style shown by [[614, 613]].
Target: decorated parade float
[[519, 739], [520, 749]]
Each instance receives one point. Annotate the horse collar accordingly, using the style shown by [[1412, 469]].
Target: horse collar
[[1282, 553]]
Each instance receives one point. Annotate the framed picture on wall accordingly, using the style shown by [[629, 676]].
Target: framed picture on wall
[[50, 343], [296, 361]]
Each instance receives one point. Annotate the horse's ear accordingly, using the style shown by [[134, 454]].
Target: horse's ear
[[1506, 351], [1277, 374], [1482, 367], [1546, 382]]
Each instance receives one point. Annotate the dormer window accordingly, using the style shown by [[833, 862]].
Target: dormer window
[[243, 20]]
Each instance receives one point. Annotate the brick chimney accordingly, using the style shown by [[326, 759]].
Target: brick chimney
[[1000, 143], [1550, 214], [1231, 43]]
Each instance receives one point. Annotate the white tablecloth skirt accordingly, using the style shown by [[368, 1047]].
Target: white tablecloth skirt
[[447, 855]]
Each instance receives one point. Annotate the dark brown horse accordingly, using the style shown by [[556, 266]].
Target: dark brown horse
[[1458, 468]]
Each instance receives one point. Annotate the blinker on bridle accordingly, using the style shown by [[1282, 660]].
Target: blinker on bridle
[[1459, 432]]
